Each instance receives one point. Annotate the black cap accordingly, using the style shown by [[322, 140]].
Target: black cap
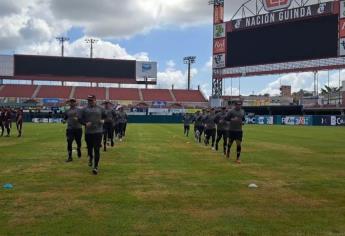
[[106, 102], [72, 100], [91, 97]]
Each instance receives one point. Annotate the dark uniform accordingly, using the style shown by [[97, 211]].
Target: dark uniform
[[210, 128], [236, 118], [74, 131], [19, 122], [2, 121], [187, 120], [198, 123], [108, 127], [221, 132], [92, 117], [8, 121], [122, 117]]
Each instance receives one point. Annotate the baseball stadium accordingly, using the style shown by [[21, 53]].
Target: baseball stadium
[[95, 146]]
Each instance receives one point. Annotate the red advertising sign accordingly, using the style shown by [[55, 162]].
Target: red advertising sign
[[271, 5], [342, 28], [218, 14], [219, 46]]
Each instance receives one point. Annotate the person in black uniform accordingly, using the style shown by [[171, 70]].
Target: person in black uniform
[[220, 121], [122, 116], [19, 121], [210, 127], [92, 116], [236, 117], [2, 121], [199, 125], [187, 120], [74, 129], [108, 126], [8, 121]]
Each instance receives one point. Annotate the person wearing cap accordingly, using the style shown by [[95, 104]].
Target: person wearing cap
[[92, 116], [108, 126], [198, 123], [187, 120], [220, 122], [2, 120], [8, 121], [74, 131], [210, 127], [122, 116], [19, 122], [236, 116]]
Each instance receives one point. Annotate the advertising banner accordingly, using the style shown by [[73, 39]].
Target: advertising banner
[[260, 120], [282, 16], [218, 14], [337, 120], [342, 9], [51, 100], [219, 31], [219, 46], [146, 69], [219, 61], [296, 120], [342, 47]]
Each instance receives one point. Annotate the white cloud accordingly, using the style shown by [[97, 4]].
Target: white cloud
[[304, 81]]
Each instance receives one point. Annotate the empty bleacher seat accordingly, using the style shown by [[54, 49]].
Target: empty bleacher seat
[[54, 92], [18, 91], [189, 96], [128, 94], [83, 92], [157, 95]]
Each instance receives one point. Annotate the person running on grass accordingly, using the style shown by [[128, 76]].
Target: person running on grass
[[108, 125], [2, 121], [220, 121], [187, 120], [199, 126], [92, 116], [8, 121], [74, 131], [236, 116], [19, 122], [210, 127], [122, 116]]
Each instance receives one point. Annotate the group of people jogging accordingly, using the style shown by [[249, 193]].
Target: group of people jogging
[[101, 123], [7, 115], [216, 124]]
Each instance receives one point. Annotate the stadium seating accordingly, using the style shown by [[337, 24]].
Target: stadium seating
[[21, 91], [189, 96], [127, 94], [181, 97], [54, 92], [157, 95], [83, 92]]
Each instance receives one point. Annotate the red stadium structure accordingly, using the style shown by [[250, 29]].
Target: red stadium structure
[[95, 72], [268, 37]]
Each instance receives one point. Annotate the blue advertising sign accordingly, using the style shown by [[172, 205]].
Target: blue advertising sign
[[51, 100]]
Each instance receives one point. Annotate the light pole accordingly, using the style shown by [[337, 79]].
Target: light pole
[[189, 60], [62, 41], [91, 41]]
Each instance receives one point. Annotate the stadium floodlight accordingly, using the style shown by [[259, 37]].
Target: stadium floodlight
[[91, 41], [189, 60], [62, 41]]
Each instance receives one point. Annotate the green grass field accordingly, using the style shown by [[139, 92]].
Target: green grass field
[[159, 182]]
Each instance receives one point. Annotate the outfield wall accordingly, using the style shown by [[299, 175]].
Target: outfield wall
[[257, 120]]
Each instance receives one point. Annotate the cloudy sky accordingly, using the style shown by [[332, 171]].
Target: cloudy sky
[[158, 30]]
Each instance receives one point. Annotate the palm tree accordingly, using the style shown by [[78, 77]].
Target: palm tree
[[328, 91]]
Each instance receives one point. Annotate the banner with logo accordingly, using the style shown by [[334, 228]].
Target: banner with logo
[[219, 61], [219, 46], [146, 69], [297, 120], [219, 31], [282, 16], [260, 120]]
